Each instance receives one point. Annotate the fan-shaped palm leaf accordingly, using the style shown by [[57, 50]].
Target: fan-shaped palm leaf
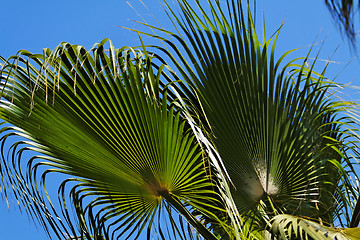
[[274, 125], [105, 119]]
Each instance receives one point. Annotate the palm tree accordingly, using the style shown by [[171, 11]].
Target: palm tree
[[206, 131]]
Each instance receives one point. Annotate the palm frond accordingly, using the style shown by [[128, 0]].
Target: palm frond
[[278, 131], [292, 227], [106, 119]]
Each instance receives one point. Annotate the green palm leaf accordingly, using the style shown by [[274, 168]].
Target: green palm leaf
[[279, 133], [105, 119]]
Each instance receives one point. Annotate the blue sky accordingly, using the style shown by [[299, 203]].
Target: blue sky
[[34, 25]]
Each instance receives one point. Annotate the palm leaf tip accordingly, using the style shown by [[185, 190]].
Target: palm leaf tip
[[343, 13]]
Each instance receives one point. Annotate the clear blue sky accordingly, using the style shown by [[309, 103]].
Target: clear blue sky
[[33, 25]]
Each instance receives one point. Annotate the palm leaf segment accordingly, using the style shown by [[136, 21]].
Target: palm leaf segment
[[343, 13], [105, 119], [276, 128]]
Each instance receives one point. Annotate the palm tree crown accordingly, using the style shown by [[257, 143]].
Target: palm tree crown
[[208, 131]]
